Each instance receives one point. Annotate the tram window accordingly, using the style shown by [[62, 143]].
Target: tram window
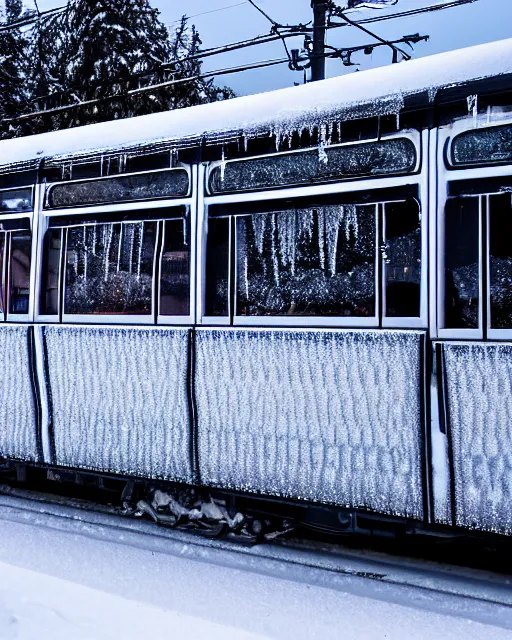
[[109, 268], [403, 259], [20, 256], [318, 261], [500, 261], [49, 304], [462, 272], [217, 268], [175, 270]]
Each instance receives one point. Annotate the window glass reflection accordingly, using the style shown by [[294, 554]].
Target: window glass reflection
[[500, 261], [402, 259], [315, 261], [462, 271], [109, 268], [20, 256], [175, 270]]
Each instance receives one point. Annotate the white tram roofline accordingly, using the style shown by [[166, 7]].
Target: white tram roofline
[[377, 91]]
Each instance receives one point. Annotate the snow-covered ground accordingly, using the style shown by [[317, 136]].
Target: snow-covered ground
[[66, 574]]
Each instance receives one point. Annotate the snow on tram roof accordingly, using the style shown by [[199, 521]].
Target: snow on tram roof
[[374, 92]]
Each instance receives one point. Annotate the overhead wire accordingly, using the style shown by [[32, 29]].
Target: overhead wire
[[273, 36]]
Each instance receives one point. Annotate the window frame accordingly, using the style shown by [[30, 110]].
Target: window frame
[[5, 275], [154, 317], [410, 134], [446, 174], [49, 186], [379, 321]]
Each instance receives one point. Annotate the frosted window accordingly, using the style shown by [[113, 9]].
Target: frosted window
[[49, 303], [16, 200], [491, 145], [386, 157], [109, 268], [500, 261], [163, 184], [217, 268], [462, 273], [175, 270], [315, 261], [20, 256], [402, 259]]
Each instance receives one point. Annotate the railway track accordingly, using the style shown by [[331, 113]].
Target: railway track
[[477, 595]]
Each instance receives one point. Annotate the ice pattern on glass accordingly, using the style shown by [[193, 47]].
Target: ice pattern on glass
[[315, 261]]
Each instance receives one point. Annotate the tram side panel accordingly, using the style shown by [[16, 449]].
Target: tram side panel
[[328, 416], [479, 404], [18, 411], [119, 400]]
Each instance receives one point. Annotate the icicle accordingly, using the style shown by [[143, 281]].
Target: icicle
[[473, 105], [306, 223], [85, 253], [109, 232], [432, 93], [139, 257], [132, 241], [119, 247], [258, 224], [397, 115], [246, 142], [320, 214], [322, 155], [222, 166], [333, 221], [94, 239], [287, 237], [246, 276], [350, 221], [185, 239], [275, 257]]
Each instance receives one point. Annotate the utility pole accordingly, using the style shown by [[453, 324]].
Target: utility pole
[[318, 54]]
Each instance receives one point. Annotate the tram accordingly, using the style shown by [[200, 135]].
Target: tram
[[301, 299]]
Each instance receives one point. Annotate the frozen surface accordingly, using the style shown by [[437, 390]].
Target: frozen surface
[[118, 399], [439, 447], [17, 410], [355, 95], [479, 389], [63, 578], [316, 415]]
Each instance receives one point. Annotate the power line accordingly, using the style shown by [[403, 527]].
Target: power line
[[204, 13], [31, 19], [148, 89], [271, 20], [343, 54], [337, 11]]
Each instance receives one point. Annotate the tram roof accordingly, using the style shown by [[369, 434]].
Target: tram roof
[[380, 91]]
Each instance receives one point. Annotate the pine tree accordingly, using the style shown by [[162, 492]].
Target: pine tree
[[99, 48], [13, 68]]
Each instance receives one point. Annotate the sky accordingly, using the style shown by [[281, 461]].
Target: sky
[[223, 21]]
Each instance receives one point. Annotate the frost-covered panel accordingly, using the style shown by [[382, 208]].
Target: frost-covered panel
[[160, 184], [330, 416], [18, 422], [441, 480], [479, 390], [119, 400], [387, 157]]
